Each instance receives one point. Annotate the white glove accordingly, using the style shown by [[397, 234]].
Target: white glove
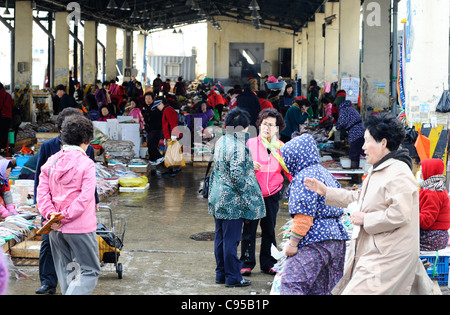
[[173, 138]]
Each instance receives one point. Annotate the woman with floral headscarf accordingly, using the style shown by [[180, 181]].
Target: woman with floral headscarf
[[316, 247], [351, 121]]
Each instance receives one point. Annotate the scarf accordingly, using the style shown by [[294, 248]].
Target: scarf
[[274, 145], [435, 183], [401, 155]]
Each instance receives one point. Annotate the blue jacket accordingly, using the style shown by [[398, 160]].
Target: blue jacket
[[293, 118], [302, 160], [48, 148]]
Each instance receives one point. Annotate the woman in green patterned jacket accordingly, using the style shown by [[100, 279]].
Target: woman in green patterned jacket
[[234, 196]]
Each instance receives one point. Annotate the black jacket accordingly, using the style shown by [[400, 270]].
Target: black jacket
[[249, 102]]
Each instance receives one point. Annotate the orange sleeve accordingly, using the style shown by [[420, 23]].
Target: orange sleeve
[[301, 224]]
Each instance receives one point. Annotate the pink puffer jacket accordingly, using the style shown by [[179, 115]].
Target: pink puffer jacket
[[69, 190]]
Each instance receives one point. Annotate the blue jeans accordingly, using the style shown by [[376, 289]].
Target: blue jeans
[[226, 242]]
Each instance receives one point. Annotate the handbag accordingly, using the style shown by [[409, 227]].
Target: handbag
[[205, 189], [444, 104]]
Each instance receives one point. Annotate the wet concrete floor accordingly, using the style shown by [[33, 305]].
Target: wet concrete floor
[[159, 257]]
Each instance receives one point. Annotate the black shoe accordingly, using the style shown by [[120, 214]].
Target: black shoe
[[220, 281], [45, 289], [270, 271], [242, 283], [175, 172]]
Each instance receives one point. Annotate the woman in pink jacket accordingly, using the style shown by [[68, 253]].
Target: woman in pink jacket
[[67, 187], [269, 168]]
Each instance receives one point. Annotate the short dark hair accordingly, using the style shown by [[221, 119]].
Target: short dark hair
[[270, 112], [237, 117], [149, 93], [69, 111], [303, 102], [384, 125], [77, 130]]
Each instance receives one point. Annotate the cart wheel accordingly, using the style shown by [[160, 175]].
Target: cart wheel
[[119, 270]]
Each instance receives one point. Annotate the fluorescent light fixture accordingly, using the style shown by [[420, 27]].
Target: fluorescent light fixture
[[247, 57]]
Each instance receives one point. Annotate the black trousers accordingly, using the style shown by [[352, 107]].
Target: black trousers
[[47, 272], [248, 244], [5, 124], [153, 137]]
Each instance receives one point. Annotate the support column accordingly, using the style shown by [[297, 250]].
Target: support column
[[127, 53], [331, 42], [311, 36], [140, 55], [90, 70], [304, 73], [23, 23], [319, 59], [375, 65], [426, 69], [349, 38], [61, 49], [111, 53]]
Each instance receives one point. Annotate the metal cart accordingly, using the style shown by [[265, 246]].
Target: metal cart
[[110, 236]]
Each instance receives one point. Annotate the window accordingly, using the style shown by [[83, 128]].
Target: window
[[172, 69]]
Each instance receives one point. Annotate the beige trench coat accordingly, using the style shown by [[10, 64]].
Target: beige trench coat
[[383, 257]]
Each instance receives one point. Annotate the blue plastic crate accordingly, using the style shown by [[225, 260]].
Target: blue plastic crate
[[442, 267]]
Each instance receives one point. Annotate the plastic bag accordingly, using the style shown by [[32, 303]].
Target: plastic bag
[[134, 182], [444, 104], [423, 147], [174, 155]]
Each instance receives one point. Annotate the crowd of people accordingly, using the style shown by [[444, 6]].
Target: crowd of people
[[395, 220], [396, 216]]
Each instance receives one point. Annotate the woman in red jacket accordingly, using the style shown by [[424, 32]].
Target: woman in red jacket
[[170, 130], [434, 207]]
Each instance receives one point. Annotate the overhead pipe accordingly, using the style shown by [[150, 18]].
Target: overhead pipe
[[51, 51], [13, 48]]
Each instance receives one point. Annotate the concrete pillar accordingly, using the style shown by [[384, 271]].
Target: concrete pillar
[[90, 70], [331, 71], [111, 53], [319, 59], [24, 38], [127, 53], [375, 66], [304, 71], [426, 71], [140, 54], [61, 48], [349, 38], [311, 36], [23, 55]]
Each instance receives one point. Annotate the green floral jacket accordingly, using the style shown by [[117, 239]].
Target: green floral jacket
[[234, 192]]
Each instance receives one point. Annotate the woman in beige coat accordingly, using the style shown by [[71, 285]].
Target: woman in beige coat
[[383, 257]]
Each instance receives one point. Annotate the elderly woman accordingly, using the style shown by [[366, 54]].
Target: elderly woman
[[316, 246], [269, 168], [234, 196], [67, 186], [383, 256]]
